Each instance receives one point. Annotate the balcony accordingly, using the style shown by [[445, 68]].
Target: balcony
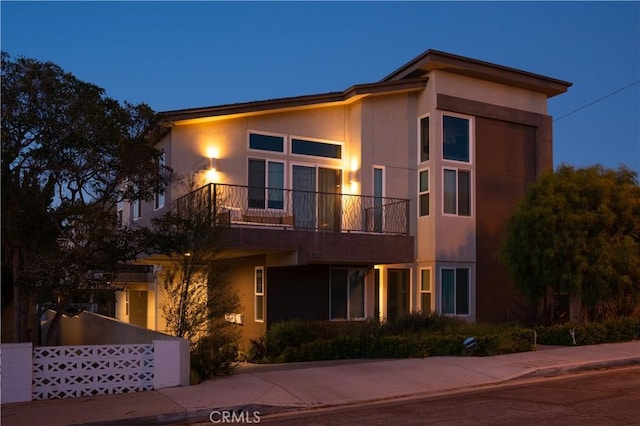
[[318, 226]]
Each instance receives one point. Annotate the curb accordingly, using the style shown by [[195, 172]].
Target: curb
[[203, 415]]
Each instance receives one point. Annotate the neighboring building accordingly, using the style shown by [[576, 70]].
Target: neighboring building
[[385, 198]]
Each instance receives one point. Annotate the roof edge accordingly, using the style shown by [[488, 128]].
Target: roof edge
[[354, 91]]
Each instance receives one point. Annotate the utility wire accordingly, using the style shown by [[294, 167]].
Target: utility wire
[[597, 100]]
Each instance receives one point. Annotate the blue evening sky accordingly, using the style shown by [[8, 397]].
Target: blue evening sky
[[175, 55]]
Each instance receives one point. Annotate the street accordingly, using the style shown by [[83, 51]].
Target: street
[[608, 397]]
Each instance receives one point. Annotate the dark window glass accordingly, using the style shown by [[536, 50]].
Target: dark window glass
[[256, 183], [424, 139], [450, 191], [425, 302], [455, 141], [448, 291], [266, 142], [462, 291], [338, 295], [464, 193], [318, 149], [424, 204]]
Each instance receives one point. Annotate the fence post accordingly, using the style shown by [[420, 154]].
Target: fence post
[[17, 372]]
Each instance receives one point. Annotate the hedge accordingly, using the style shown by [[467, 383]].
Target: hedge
[[610, 331]]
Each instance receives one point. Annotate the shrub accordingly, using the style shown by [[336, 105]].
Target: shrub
[[214, 355], [610, 331]]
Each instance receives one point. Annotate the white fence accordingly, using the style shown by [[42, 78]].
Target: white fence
[[71, 371]]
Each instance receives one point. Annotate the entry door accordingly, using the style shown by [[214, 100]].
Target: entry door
[[304, 196], [138, 308], [397, 293]]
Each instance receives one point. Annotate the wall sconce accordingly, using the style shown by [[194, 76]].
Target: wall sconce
[[213, 163]]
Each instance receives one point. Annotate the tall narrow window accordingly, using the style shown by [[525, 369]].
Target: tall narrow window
[[120, 212], [424, 193], [266, 184], [159, 196], [378, 193], [259, 294], [136, 208], [424, 139], [455, 291], [455, 138], [425, 290], [457, 192]]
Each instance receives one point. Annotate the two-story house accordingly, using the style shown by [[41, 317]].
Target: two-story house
[[382, 199]]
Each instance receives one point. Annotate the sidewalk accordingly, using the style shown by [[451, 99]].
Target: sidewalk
[[283, 387]]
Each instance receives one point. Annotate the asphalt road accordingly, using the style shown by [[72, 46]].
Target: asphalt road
[[607, 397]]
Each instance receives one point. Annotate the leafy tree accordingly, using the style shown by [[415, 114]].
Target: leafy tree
[[197, 294], [577, 231], [69, 154]]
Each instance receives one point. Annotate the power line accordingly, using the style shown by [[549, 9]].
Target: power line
[[597, 100]]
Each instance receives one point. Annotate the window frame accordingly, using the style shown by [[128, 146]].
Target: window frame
[[427, 192], [263, 151], [470, 141], [348, 294], [421, 140], [159, 198], [455, 300], [258, 295], [267, 190], [316, 140], [422, 291], [457, 191]]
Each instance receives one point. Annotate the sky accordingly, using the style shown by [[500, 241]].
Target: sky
[[176, 55]]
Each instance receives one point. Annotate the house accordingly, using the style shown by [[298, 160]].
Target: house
[[379, 200]]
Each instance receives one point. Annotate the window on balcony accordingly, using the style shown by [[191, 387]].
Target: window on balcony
[[264, 142], [455, 291], [346, 289], [317, 149], [265, 174]]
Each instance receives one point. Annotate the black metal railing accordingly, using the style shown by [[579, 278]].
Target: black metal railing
[[237, 205]]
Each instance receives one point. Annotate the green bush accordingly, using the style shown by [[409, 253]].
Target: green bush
[[213, 355], [411, 336], [610, 331]]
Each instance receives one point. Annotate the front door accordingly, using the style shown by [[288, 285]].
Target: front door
[[138, 308]]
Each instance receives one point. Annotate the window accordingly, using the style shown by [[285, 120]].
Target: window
[[455, 138], [266, 184], [378, 193], [259, 294], [159, 196], [318, 149], [424, 139], [424, 193], [457, 192], [266, 142], [136, 207], [455, 291], [120, 212], [425, 290], [346, 288]]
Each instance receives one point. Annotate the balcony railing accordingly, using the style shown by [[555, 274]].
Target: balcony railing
[[236, 205]]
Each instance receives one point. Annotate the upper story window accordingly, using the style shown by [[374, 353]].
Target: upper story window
[[455, 138], [266, 184], [457, 192], [424, 193], [424, 139], [159, 197], [264, 142], [120, 210], [317, 149]]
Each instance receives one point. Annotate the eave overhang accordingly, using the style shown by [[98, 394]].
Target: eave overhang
[[435, 60], [352, 94]]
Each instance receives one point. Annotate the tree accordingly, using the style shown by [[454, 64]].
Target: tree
[[577, 231], [69, 154], [197, 294]]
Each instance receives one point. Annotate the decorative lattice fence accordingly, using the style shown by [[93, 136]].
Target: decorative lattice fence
[[71, 371]]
